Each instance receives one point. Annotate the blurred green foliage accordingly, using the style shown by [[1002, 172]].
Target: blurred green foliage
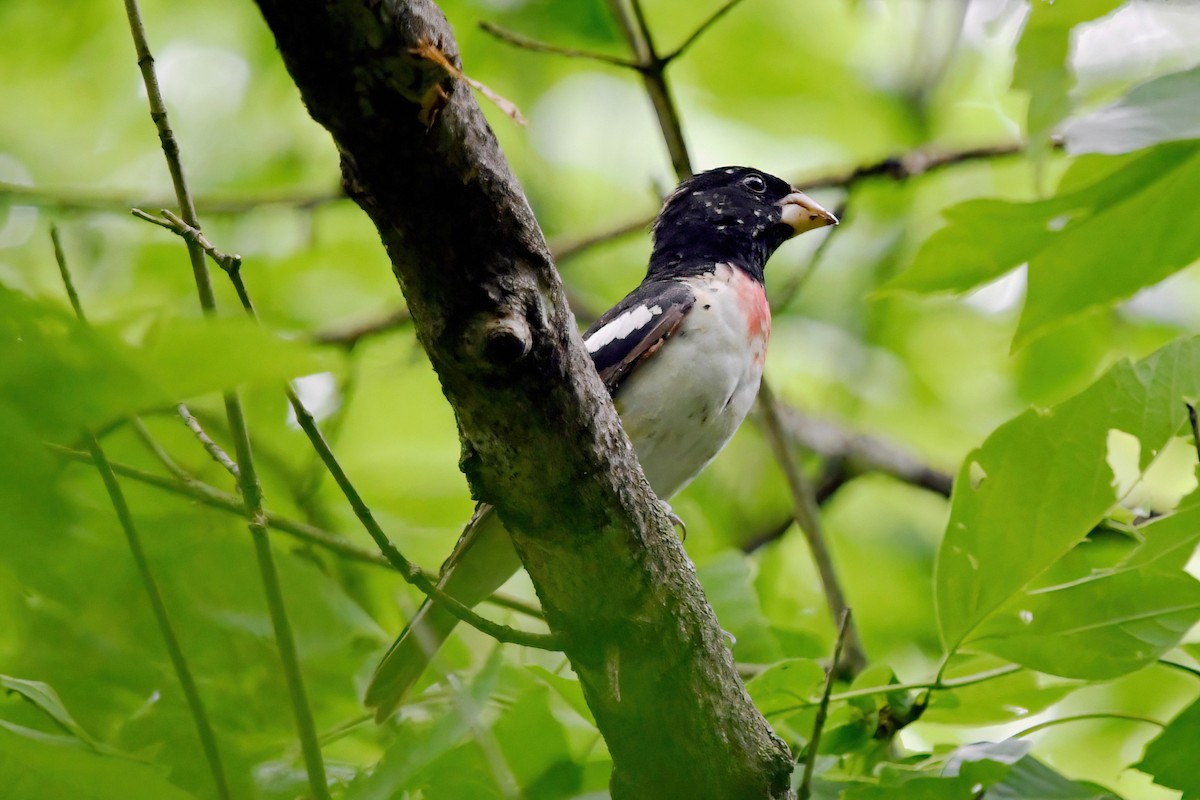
[[1047, 589]]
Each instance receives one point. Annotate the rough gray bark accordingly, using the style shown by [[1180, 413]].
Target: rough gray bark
[[540, 438]]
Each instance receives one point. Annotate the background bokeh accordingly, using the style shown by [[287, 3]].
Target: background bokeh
[[805, 90]]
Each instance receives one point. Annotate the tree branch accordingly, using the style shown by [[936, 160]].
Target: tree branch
[[541, 440], [807, 517], [526, 43], [632, 22]]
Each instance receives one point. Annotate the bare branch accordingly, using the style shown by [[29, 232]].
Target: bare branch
[[637, 34], [75, 200], [807, 516], [700, 31], [526, 43], [350, 335], [814, 742], [212, 448]]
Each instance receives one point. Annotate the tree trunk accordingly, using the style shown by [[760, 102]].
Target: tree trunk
[[540, 438]]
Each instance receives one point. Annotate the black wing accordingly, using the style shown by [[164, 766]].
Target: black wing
[[634, 329]]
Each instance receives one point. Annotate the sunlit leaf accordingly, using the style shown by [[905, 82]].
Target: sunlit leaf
[[1165, 109], [1090, 246], [788, 684], [35, 770], [1041, 482], [1041, 68], [1170, 757]]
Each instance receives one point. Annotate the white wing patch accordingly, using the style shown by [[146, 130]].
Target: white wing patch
[[632, 320]]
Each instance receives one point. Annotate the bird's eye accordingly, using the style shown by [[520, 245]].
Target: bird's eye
[[755, 183]]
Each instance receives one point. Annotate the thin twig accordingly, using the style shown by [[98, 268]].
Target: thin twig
[[74, 200], [183, 673], [805, 789], [172, 222], [804, 509], [409, 571], [1082, 717], [247, 476], [935, 685], [350, 335], [567, 249], [637, 35], [157, 450], [700, 31], [526, 43], [213, 449], [431, 52], [310, 534]]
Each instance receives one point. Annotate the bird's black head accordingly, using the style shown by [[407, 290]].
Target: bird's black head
[[737, 215]]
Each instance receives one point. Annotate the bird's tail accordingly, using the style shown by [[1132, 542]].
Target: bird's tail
[[482, 561]]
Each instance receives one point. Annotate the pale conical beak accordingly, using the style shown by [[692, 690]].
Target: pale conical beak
[[801, 213]]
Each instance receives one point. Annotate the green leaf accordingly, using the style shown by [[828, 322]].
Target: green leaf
[[186, 357], [416, 747], [1095, 628], [986, 238], [45, 698], [1011, 774], [34, 770], [535, 747], [568, 688], [1041, 66], [1040, 483], [788, 684], [728, 581], [1109, 255], [1170, 757], [1165, 109]]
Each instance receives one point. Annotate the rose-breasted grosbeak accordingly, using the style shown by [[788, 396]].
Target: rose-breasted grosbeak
[[682, 355]]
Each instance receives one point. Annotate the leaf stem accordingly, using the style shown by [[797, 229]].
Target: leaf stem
[[932, 686], [1082, 717]]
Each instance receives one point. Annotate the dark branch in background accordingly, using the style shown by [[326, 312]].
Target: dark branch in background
[[541, 440], [73, 200], [910, 165]]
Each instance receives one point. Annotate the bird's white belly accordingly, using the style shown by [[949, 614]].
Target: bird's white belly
[[682, 409]]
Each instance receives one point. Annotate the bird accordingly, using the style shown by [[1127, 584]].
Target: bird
[[682, 357]]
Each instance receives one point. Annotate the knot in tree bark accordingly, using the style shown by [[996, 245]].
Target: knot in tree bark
[[500, 342]]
